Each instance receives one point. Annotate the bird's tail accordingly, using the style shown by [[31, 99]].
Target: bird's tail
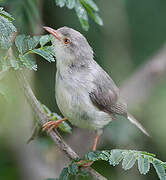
[[136, 123]]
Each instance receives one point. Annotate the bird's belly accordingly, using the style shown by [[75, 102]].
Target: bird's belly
[[75, 104]]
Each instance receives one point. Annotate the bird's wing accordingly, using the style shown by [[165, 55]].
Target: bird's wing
[[105, 94]]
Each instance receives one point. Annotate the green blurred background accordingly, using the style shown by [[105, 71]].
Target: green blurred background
[[133, 32]]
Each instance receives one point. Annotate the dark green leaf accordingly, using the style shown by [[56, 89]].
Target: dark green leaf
[[70, 4], [94, 156], [90, 4], [159, 169], [116, 157], [45, 39], [44, 53], [64, 174], [28, 61], [51, 179], [128, 161], [143, 164], [73, 168], [60, 3], [82, 15]]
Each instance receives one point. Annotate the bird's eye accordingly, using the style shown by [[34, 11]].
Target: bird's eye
[[66, 40]]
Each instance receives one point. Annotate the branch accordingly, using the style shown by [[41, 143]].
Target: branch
[[42, 117], [140, 85]]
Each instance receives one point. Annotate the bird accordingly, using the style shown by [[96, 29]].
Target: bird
[[85, 94]]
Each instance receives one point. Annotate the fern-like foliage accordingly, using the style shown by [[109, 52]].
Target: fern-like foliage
[[114, 157], [83, 8]]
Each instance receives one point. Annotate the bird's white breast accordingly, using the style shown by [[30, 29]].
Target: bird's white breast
[[72, 95]]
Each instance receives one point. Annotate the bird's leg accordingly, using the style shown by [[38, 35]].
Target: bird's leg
[[95, 142], [52, 125], [83, 163]]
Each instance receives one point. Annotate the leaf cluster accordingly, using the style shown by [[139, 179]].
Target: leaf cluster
[[83, 8], [114, 157]]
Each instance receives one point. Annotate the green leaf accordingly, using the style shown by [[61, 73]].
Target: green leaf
[[90, 4], [116, 157], [159, 169], [28, 61], [60, 3], [82, 15], [6, 31], [33, 42], [44, 53], [70, 4], [21, 42], [51, 179], [143, 164], [128, 161], [64, 174], [95, 16], [93, 156], [45, 39], [6, 15], [73, 168], [15, 63], [64, 126]]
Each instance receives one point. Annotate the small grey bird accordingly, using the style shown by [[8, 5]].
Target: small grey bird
[[85, 94]]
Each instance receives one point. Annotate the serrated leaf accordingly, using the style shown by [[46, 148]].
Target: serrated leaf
[[128, 161], [91, 4], [44, 53], [143, 164], [60, 3], [159, 169], [50, 49], [28, 61], [82, 15], [64, 174], [45, 39], [33, 42], [115, 157], [73, 168], [21, 42], [70, 4]]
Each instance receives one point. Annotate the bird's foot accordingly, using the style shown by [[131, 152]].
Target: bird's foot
[[84, 163], [52, 125]]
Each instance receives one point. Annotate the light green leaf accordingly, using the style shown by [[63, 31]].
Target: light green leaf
[[14, 63], [60, 3], [45, 39], [6, 31], [143, 164], [70, 4], [82, 15], [28, 61], [21, 42], [128, 161], [44, 53], [116, 157], [93, 156], [90, 4], [159, 169], [33, 42]]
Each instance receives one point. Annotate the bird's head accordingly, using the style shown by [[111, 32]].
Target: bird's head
[[70, 45]]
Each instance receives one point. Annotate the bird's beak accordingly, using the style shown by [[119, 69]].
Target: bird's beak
[[53, 32]]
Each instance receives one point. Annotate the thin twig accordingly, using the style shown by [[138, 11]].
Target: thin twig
[[42, 117]]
